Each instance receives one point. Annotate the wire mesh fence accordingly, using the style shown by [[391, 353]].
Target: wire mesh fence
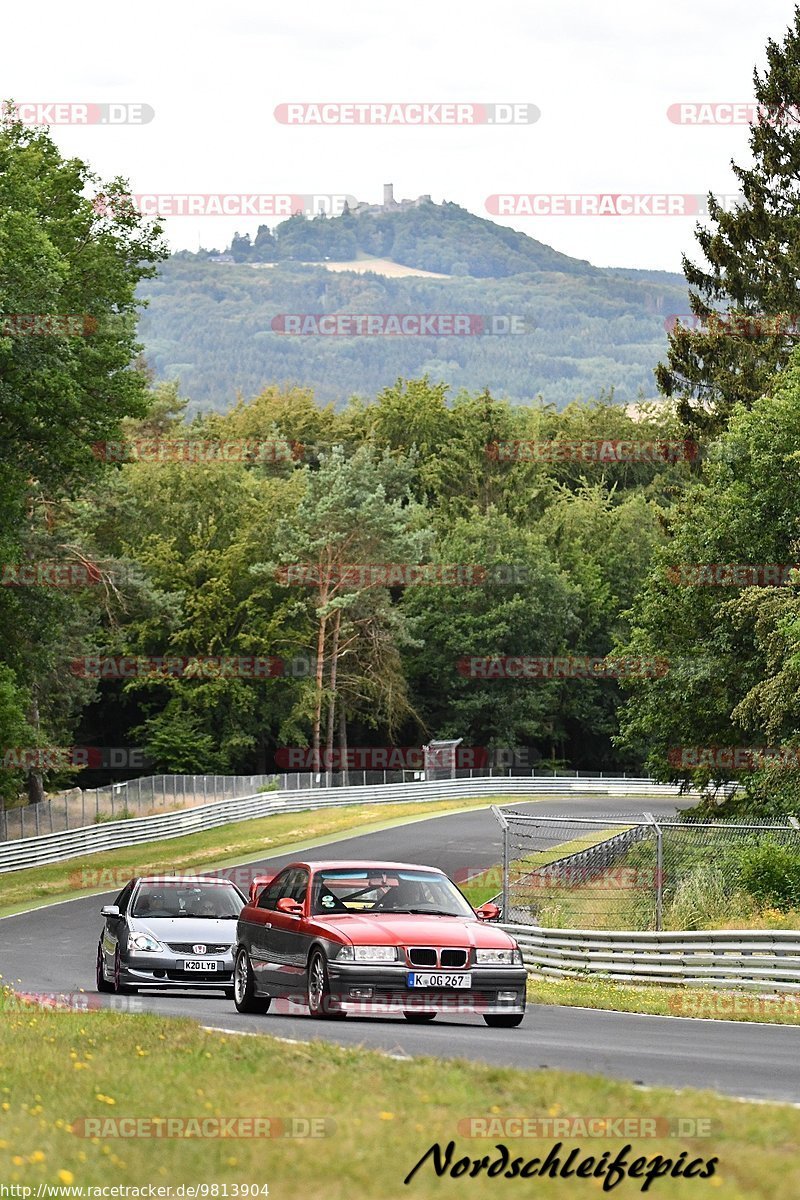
[[633, 871]]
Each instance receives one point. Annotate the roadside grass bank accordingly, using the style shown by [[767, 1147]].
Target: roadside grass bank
[[664, 1000], [72, 1082], [227, 845]]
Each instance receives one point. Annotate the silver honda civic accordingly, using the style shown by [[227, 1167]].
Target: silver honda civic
[[169, 932]]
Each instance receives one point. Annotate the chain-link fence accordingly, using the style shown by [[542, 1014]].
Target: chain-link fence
[[624, 871], [141, 797]]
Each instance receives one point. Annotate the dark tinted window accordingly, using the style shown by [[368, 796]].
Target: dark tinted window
[[184, 898], [273, 891], [298, 886]]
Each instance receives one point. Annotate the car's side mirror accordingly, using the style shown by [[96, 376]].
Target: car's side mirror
[[487, 912], [289, 906], [109, 910]]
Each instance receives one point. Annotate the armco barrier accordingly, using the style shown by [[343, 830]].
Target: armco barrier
[[757, 959], [92, 839]]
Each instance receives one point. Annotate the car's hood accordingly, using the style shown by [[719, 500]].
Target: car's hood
[[186, 929], [404, 929]]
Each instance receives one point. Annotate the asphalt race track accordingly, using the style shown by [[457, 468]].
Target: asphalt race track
[[53, 950]]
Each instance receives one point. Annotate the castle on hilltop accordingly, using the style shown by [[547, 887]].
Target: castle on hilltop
[[389, 203]]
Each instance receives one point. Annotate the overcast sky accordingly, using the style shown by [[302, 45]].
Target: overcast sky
[[603, 76]]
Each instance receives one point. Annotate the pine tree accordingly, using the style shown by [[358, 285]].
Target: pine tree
[[753, 257]]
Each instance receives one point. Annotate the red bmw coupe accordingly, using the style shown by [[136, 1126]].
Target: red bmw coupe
[[377, 938]]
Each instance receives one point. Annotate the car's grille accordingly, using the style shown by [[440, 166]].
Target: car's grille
[[453, 958], [426, 956], [210, 947]]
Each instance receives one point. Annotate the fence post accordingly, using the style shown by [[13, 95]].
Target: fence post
[[659, 870], [500, 816]]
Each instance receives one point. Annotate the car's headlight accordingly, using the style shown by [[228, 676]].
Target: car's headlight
[[497, 958], [143, 941], [372, 954]]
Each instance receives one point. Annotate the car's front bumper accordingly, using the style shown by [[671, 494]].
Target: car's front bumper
[[166, 970], [357, 987]]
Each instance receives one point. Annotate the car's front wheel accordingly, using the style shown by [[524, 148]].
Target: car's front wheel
[[320, 1002], [244, 987], [102, 983], [419, 1018], [120, 988], [503, 1020]]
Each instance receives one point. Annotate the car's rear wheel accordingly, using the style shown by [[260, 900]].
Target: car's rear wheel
[[102, 983], [244, 987], [419, 1018], [320, 1002], [503, 1020]]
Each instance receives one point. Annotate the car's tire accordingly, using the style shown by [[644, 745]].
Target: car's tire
[[120, 989], [244, 988], [229, 993], [419, 1018], [318, 989], [503, 1020], [102, 983]]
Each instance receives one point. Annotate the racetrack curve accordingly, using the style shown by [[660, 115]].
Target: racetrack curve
[[52, 949]]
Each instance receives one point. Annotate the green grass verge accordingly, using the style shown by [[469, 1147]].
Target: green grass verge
[[664, 1000], [60, 1069], [227, 845]]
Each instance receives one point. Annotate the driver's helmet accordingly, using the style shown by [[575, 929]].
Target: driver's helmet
[[407, 894]]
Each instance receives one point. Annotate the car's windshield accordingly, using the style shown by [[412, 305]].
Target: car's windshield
[[386, 890], [212, 900]]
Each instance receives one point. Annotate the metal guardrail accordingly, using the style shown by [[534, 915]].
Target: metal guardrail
[[149, 795], [756, 959], [92, 839]]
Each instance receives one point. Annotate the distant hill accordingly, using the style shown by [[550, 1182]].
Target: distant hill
[[214, 317]]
